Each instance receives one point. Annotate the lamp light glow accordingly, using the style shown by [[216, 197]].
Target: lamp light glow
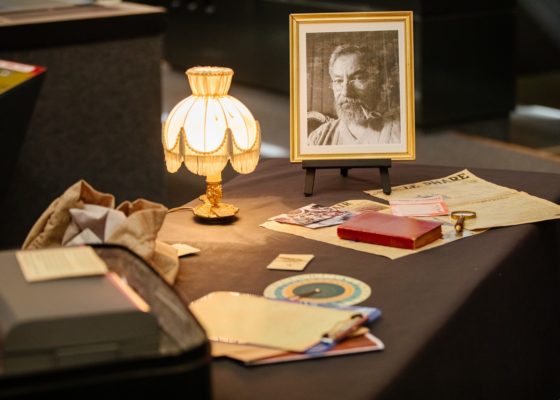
[[208, 129]]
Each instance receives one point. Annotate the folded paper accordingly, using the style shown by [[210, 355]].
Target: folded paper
[[277, 324], [92, 224]]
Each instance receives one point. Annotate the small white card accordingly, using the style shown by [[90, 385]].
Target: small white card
[[183, 249], [291, 262], [64, 262]]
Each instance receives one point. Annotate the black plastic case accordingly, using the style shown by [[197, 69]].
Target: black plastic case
[[181, 367]]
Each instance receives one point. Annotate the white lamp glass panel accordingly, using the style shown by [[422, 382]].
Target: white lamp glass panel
[[205, 126], [194, 125], [251, 125], [175, 121], [216, 124], [238, 116]]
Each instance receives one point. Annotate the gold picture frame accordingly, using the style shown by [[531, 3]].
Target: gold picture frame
[[351, 86]]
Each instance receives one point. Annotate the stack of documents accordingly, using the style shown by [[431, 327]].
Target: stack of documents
[[257, 330]]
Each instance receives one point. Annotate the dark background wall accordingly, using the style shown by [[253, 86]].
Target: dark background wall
[[97, 115], [468, 55]]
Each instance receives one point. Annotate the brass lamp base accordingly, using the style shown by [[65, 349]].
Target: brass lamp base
[[221, 212], [212, 210]]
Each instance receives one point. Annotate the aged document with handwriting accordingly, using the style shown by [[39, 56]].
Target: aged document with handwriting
[[494, 205]]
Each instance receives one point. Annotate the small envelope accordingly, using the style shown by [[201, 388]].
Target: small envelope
[[291, 262]]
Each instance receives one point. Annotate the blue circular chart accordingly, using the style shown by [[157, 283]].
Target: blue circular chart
[[320, 288]]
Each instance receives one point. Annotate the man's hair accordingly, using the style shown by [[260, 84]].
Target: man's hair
[[360, 51]]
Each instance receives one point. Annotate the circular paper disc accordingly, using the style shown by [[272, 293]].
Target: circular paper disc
[[320, 288]]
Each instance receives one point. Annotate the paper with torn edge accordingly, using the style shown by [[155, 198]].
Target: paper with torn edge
[[242, 318], [494, 205], [57, 263], [328, 234]]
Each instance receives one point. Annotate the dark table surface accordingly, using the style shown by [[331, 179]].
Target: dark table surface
[[477, 318]]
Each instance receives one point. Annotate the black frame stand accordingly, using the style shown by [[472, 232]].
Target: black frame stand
[[311, 165]]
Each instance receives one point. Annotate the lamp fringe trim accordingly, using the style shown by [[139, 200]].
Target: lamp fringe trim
[[245, 161], [205, 165], [173, 160]]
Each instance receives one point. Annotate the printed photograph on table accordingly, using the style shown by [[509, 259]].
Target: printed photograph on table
[[352, 86], [313, 216]]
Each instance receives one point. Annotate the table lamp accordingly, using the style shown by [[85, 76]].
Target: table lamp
[[207, 129]]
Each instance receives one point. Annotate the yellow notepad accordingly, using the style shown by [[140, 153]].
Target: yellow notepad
[[241, 318], [61, 262]]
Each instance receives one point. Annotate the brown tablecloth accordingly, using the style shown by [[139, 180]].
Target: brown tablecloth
[[477, 318]]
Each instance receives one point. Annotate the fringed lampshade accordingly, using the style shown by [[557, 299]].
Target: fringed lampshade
[[207, 129]]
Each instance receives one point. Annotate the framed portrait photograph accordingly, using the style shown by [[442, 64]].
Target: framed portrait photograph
[[351, 86]]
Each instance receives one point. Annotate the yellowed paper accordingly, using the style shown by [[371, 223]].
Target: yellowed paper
[[494, 205], [328, 234], [243, 352], [290, 262], [57, 263], [249, 319], [248, 353]]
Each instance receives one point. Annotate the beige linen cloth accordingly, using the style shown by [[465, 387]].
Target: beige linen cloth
[[137, 232]]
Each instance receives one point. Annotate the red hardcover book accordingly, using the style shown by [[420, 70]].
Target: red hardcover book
[[389, 230]]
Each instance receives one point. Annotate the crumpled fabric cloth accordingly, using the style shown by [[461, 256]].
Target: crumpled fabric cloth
[[60, 223]]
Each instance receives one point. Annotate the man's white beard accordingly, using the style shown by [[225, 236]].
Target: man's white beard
[[351, 110]]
